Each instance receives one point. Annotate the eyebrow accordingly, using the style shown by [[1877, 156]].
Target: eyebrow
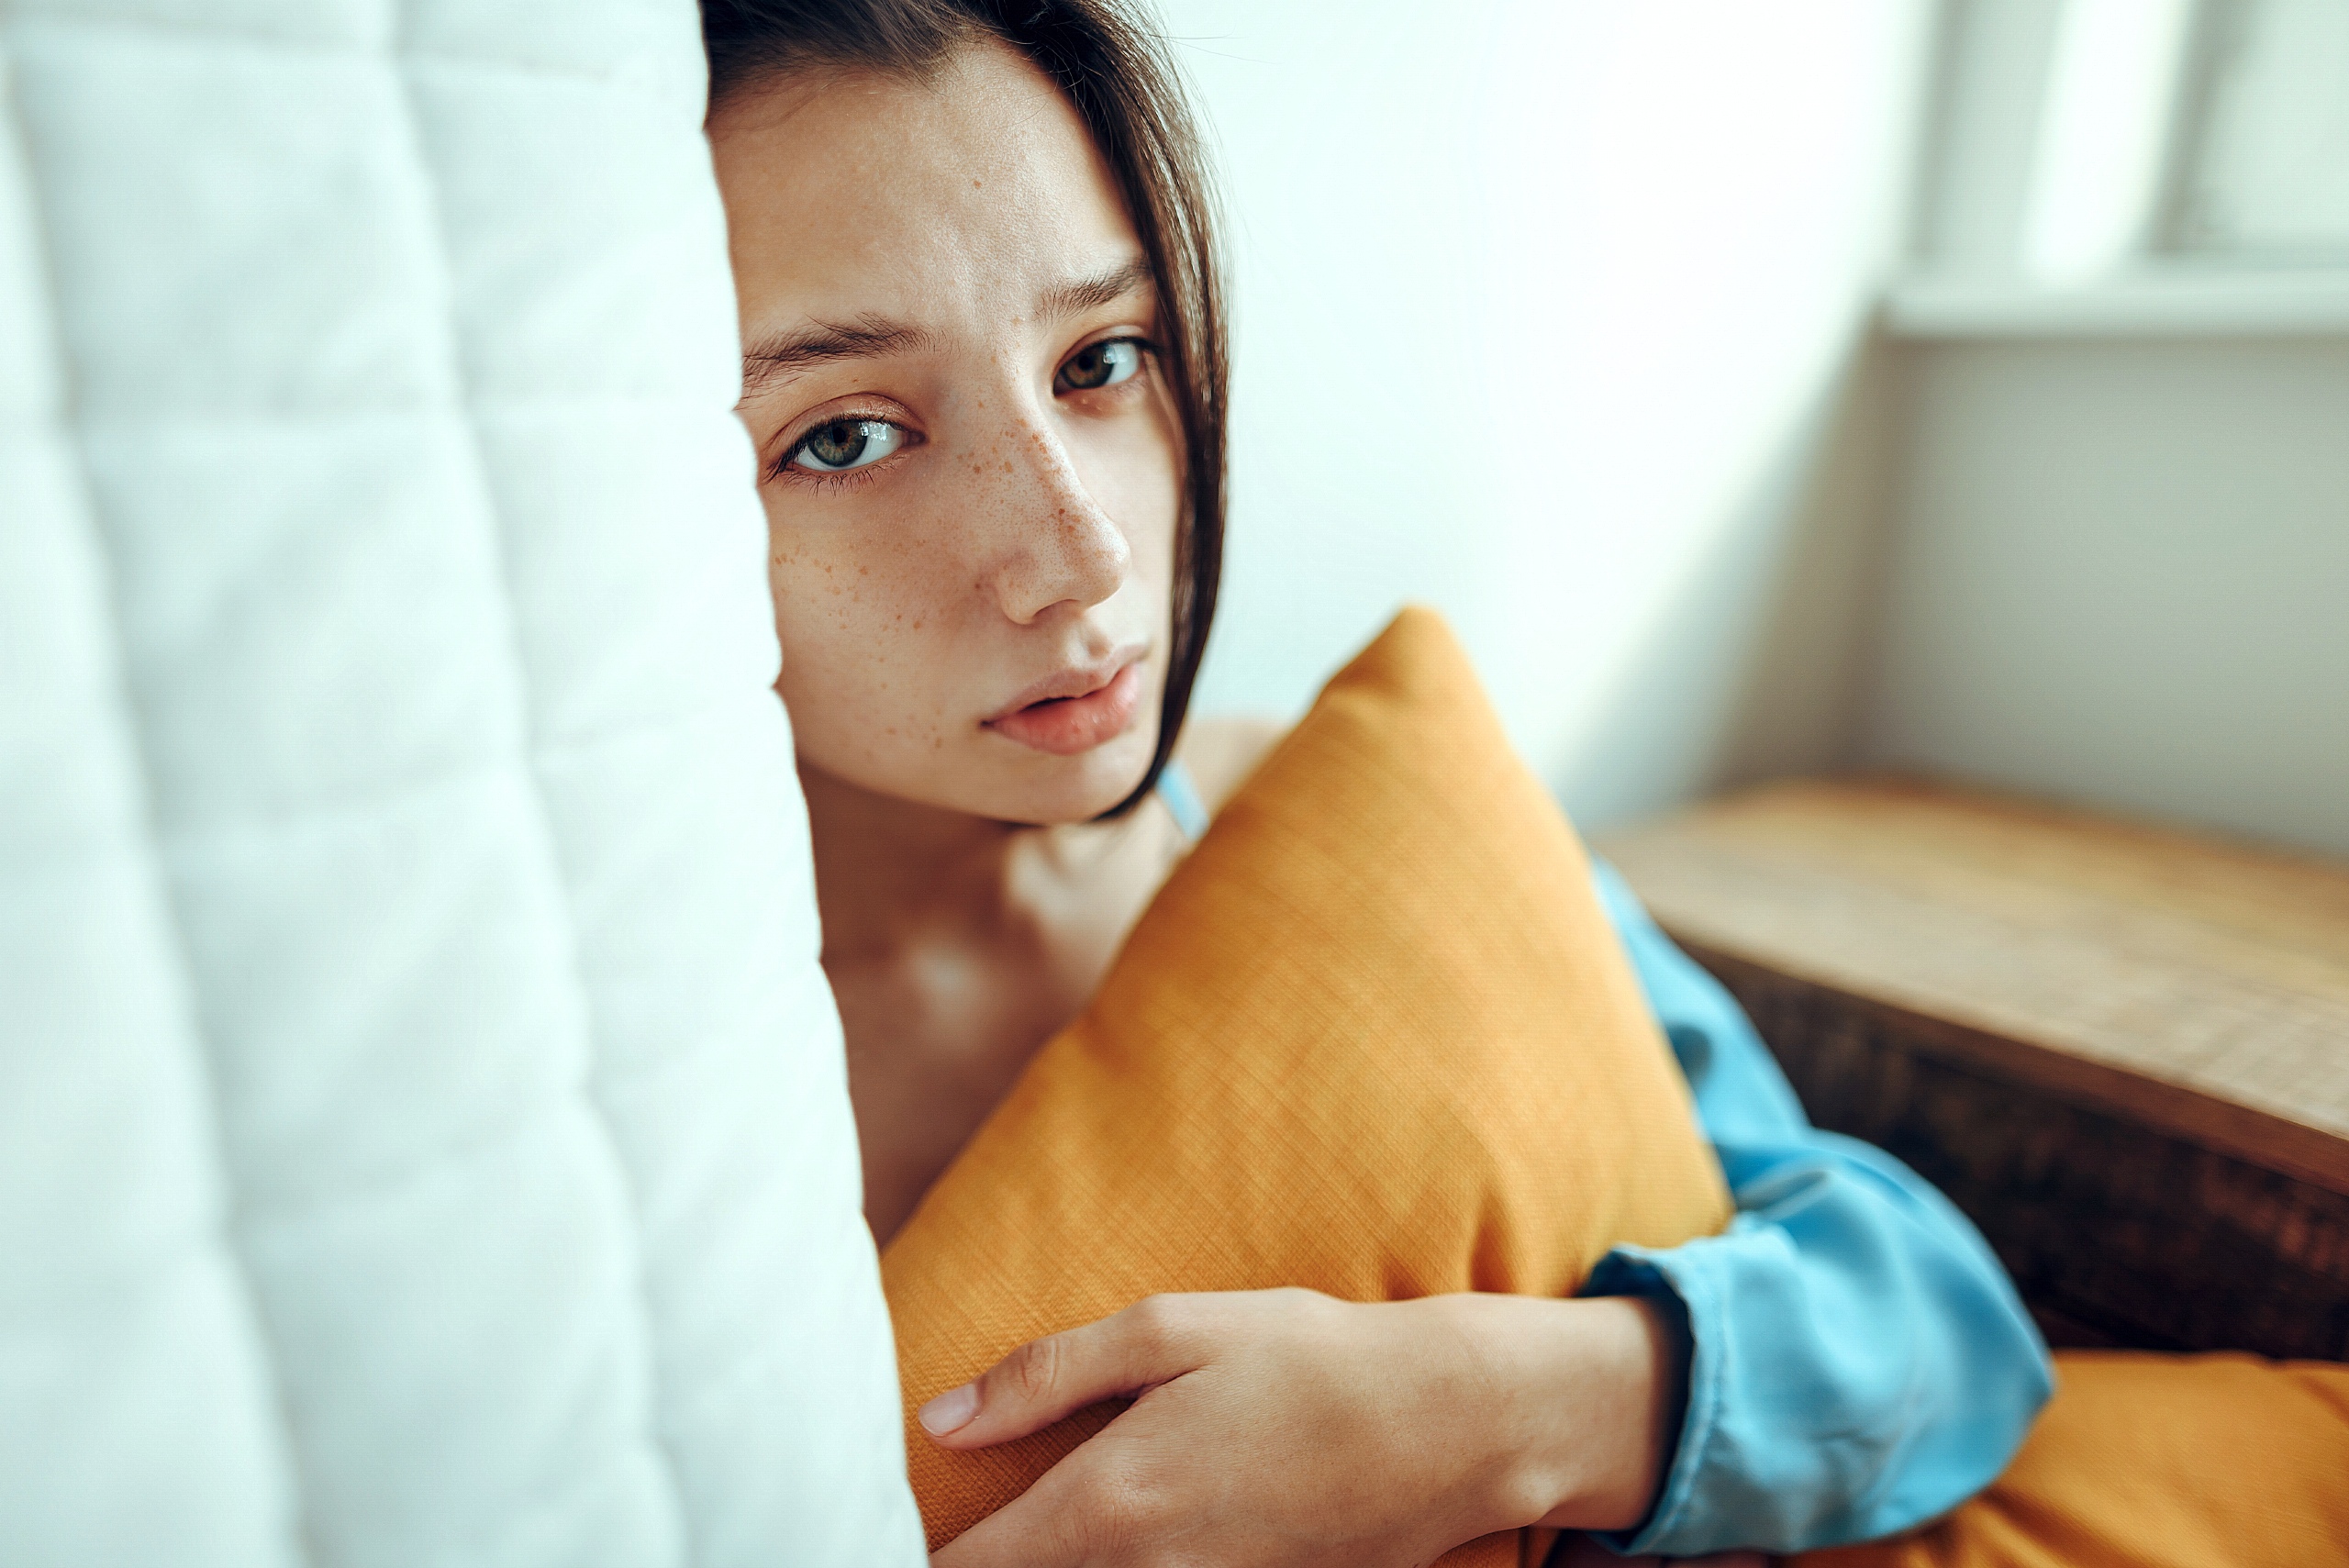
[[1105, 287], [787, 354]]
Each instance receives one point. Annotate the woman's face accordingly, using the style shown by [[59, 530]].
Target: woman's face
[[970, 461]]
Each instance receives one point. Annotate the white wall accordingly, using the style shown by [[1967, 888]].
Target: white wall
[[2120, 575], [2116, 562], [1547, 312]]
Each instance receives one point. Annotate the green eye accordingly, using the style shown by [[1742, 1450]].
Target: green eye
[[1100, 364], [844, 444]]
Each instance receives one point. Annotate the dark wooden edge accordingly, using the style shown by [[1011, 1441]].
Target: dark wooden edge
[[2273, 1142], [2116, 1230]]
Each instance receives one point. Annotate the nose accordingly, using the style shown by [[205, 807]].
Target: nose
[[1048, 543]]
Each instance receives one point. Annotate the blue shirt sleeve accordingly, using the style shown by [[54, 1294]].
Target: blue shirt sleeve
[[1858, 1360]]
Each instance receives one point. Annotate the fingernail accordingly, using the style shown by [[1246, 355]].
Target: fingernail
[[951, 1411]]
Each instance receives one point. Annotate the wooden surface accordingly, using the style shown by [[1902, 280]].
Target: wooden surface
[[2125, 1052]]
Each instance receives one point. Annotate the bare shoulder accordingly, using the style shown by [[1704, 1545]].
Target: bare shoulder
[[1223, 751]]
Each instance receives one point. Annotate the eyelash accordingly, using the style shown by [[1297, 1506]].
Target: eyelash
[[825, 484], [839, 479], [846, 479]]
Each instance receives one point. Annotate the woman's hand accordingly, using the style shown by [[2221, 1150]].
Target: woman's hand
[[1283, 1426]]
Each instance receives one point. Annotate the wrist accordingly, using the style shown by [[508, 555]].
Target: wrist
[[1588, 1397]]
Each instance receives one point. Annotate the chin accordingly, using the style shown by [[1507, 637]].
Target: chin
[[1069, 790], [992, 778]]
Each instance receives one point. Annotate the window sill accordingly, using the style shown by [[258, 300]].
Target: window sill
[[2171, 304]]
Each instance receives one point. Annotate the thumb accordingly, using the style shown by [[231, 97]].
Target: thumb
[[1128, 1353]]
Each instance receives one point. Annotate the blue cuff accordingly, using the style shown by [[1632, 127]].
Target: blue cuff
[[1633, 1270], [1826, 1405]]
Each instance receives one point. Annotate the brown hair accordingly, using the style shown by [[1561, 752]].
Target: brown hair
[[1117, 72]]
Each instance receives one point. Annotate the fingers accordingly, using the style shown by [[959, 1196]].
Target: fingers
[[1128, 1353]]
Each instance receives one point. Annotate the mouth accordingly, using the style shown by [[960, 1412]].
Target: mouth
[[1074, 710]]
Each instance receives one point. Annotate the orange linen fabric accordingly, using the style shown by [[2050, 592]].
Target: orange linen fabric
[[2157, 1462], [1376, 1036]]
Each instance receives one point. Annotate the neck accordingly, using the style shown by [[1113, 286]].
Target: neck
[[886, 867]]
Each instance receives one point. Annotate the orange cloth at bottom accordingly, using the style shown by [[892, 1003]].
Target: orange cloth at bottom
[[2147, 1461]]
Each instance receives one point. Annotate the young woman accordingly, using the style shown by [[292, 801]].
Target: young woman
[[983, 371]]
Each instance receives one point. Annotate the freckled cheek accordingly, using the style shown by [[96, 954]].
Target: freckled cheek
[[866, 666]]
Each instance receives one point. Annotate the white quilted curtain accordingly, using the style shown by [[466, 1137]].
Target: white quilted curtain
[[423, 1135]]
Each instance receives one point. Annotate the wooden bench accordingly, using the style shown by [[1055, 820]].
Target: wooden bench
[[2123, 1051]]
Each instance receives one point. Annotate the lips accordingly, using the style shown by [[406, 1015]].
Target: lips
[[1073, 712]]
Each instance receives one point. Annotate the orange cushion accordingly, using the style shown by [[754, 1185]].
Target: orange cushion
[[1376, 1036], [2157, 1462]]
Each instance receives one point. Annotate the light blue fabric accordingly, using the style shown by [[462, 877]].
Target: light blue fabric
[[1180, 796], [1858, 1360]]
